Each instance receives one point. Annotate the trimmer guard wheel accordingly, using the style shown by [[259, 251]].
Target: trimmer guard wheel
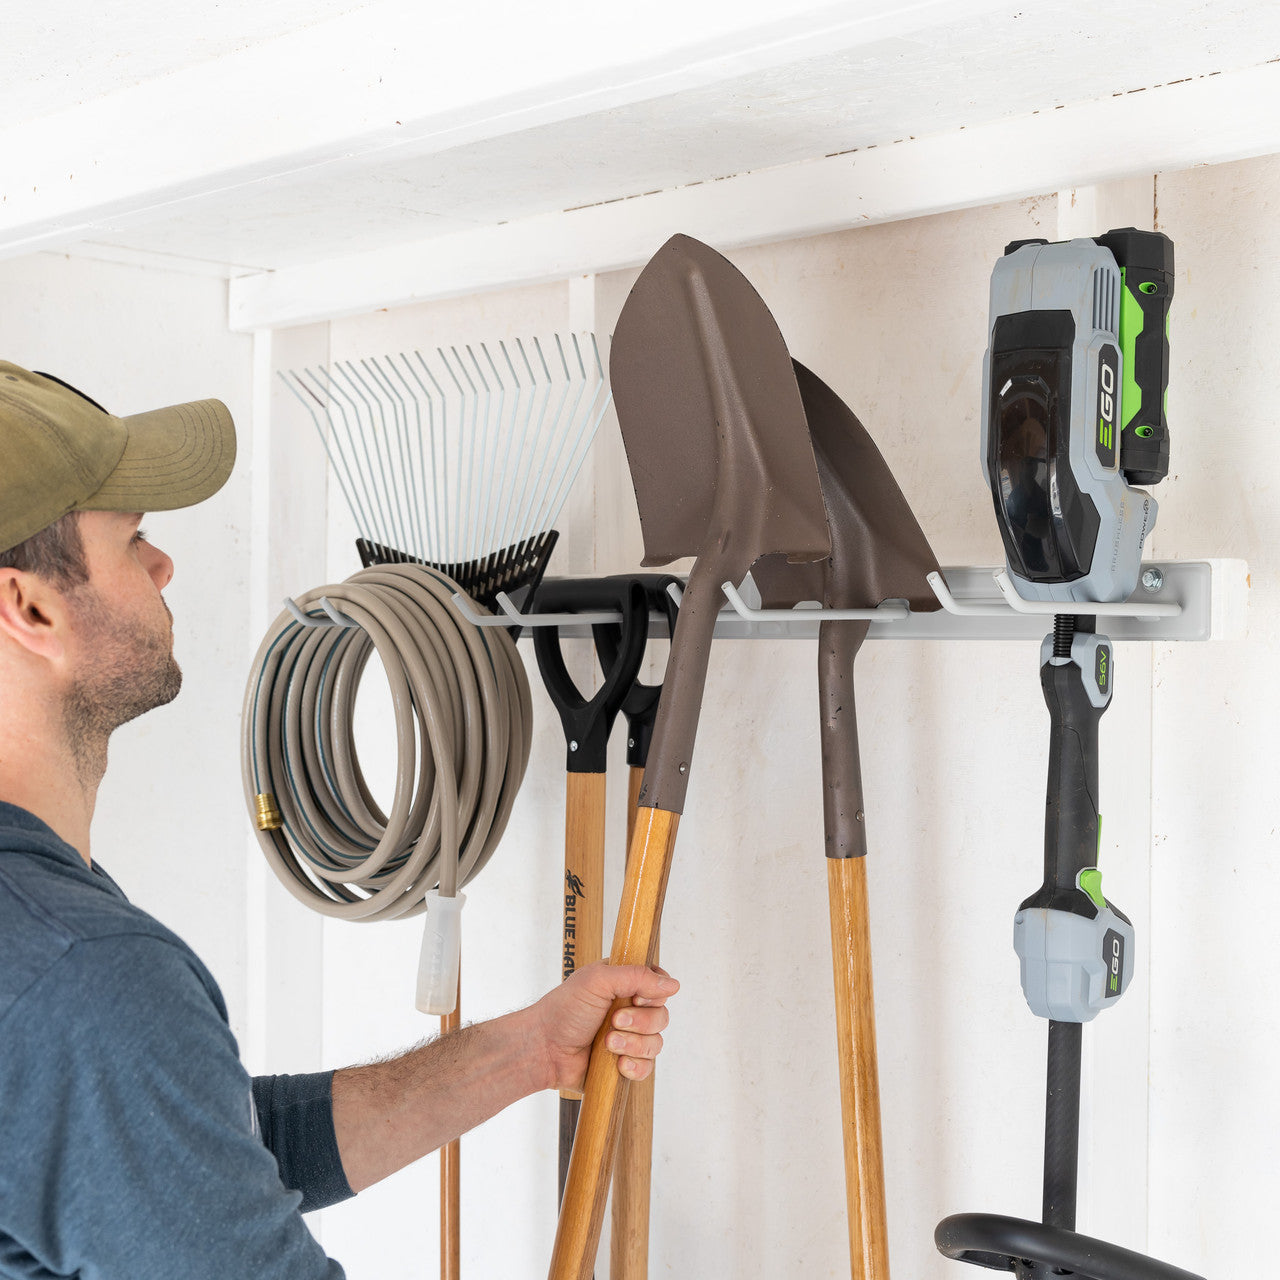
[[1032, 1250]]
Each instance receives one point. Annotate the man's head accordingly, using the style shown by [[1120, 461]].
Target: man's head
[[81, 615]]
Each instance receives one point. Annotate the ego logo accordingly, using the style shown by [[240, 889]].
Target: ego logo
[[1113, 958], [1108, 404]]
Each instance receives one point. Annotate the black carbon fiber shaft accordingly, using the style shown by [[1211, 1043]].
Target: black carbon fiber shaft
[[1062, 1125]]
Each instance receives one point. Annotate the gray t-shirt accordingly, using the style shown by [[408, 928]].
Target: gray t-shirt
[[133, 1144]]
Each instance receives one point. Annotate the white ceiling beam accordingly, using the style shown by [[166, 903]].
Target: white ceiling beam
[[1207, 120], [399, 78]]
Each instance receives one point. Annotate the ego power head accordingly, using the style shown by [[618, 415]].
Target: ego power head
[[1073, 418]]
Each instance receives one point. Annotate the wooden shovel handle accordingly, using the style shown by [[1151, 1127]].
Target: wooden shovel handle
[[582, 937], [635, 938], [632, 1172], [583, 888], [451, 1178], [859, 1077]]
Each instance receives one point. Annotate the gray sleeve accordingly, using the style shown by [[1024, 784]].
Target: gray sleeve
[[295, 1118], [130, 1151]]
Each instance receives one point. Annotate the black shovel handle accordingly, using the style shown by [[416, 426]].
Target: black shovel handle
[[587, 721], [1031, 1251], [640, 705]]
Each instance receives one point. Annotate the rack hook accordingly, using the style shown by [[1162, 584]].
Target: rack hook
[[1123, 609], [304, 619], [940, 589], [889, 611], [510, 614]]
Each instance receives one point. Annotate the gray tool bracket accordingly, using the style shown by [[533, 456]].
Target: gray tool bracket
[[1176, 600]]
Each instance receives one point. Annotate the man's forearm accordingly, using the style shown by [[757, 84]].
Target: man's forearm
[[388, 1114]]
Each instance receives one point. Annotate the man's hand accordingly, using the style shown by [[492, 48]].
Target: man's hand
[[632, 998], [390, 1113]]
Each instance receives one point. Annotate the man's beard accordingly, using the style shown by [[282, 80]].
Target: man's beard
[[133, 670]]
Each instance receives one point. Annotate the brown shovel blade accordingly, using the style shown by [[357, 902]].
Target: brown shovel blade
[[711, 416], [878, 550]]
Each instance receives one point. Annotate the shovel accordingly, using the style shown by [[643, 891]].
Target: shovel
[[587, 724], [878, 553], [719, 453]]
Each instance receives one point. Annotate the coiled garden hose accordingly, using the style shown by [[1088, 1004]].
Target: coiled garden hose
[[463, 722]]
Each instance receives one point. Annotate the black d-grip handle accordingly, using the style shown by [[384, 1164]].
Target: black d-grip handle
[[640, 705], [1033, 1251], [588, 721]]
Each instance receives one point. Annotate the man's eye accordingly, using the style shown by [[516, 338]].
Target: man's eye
[[140, 536]]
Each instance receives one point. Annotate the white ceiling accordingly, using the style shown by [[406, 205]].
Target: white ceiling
[[63, 53], [266, 135]]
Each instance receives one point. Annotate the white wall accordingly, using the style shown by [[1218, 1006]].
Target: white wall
[[170, 823], [748, 1170], [1215, 1116]]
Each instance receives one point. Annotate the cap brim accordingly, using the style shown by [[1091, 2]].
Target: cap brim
[[174, 457]]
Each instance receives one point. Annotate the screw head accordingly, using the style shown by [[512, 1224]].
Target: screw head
[[1152, 579]]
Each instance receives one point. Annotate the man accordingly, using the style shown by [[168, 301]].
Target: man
[[133, 1145]]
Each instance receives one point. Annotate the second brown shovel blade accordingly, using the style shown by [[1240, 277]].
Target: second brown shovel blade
[[878, 550]]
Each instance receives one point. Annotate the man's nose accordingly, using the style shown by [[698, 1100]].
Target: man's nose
[[160, 567]]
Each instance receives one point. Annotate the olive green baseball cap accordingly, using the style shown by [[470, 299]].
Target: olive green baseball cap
[[61, 451]]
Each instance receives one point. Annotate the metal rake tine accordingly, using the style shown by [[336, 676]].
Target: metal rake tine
[[357, 399], [586, 436], [385, 454], [411, 487], [439, 457], [305, 396], [430, 501], [459, 555], [503, 536], [519, 507], [487, 435], [568, 421], [493, 501], [382, 526], [534, 493]]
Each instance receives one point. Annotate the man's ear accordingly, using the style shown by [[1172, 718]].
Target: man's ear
[[32, 614]]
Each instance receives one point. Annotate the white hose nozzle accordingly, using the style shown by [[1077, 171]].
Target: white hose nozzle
[[441, 952]]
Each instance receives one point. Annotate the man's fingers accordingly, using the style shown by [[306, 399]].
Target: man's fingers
[[636, 1068], [644, 984], [646, 1020], [626, 1045]]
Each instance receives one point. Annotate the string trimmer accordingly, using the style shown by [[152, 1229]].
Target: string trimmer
[[1073, 419]]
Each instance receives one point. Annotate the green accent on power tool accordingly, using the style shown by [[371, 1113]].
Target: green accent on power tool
[[1090, 880], [1144, 432], [1104, 433], [1132, 320], [1148, 286]]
